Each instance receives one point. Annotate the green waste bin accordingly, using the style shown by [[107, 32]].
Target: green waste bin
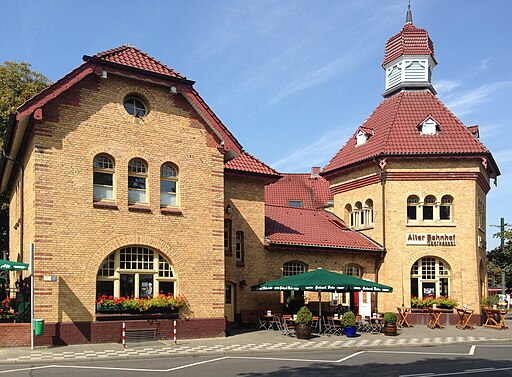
[[39, 326]]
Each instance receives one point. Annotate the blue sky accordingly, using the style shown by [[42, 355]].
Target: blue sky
[[291, 79]]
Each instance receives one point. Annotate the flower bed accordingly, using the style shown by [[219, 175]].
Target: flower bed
[[429, 301], [158, 304]]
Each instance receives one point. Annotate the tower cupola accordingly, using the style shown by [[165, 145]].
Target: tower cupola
[[409, 59]]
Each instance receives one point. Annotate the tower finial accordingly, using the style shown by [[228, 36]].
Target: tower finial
[[408, 19]]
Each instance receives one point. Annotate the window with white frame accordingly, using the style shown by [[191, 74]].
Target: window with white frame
[[359, 216], [103, 178], [137, 175], [294, 268], [368, 212], [430, 276], [353, 270], [348, 215], [168, 185], [239, 246], [445, 209], [135, 271], [428, 208], [412, 208]]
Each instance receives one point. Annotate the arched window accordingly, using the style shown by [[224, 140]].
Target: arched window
[[168, 185], [353, 270], [135, 271], [428, 208], [412, 208], [358, 214], [137, 175], [445, 210], [294, 268], [103, 178], [430, 276], [348, 215], [368, 212]]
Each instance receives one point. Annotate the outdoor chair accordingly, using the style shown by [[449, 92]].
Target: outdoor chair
[[314, 325], [262, 323], [362, 324], [287, 329], [334, 328]]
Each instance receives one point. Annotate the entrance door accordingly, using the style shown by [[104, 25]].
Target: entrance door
[[229, 303]]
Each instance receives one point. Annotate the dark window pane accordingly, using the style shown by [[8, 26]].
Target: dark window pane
[[444, 287], [167, 186], [411, 212], [445, 213], [428, 213], [228, 293], [414, 287], [104, 288], [166, 287], [127, 285], [103, 179], [136, 182], [130, 109], [295, 203]]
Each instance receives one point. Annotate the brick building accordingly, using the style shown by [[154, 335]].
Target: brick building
[[124, 179]]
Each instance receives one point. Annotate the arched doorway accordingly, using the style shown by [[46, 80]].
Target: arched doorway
[[430, 276]]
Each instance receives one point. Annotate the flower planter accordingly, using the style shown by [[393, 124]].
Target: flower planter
[[350, 331], [303, 331], [135, 316], [390, 329]]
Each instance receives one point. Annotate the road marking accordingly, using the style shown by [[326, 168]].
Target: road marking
[[24, 369], [349, 356]]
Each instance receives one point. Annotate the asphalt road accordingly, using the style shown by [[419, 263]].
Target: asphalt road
[[457, 360]]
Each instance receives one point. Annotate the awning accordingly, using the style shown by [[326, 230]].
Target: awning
[[12, 266]]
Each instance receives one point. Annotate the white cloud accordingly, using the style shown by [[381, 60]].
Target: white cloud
[[465, 102], [317, 153], [443, 87]]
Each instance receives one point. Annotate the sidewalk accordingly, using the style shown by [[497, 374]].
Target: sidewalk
[[251, 342]]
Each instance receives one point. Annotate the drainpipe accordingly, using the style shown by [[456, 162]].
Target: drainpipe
[[381, 165], [20, 167]]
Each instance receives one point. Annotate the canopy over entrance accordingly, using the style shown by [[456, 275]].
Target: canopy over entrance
[[12, 266]]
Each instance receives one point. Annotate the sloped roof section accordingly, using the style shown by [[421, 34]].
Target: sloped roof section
[[410, 41], [395, 124], [314, 228], [313, 192], [133, 57], [247, 163]]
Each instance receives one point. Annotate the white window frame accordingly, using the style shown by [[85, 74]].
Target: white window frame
[[143, 174], [172, 177], [440, 270], [99, 167]]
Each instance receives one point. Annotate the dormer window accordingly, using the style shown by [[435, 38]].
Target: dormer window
[[363, 135], [429, 127]]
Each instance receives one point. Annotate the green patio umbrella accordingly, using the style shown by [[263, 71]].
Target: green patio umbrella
[[321, 280], [10, 265]]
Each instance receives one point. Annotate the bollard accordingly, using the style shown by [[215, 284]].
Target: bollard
[[123, 335], [175, 332]]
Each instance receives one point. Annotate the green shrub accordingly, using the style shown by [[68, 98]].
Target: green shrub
[[490, 301], [304, 315], [390, 318], [349, 319]]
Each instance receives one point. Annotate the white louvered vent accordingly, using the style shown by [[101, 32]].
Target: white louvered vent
[[394, 76], [415, 71]]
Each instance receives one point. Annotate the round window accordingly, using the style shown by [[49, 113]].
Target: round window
[[134, 106]]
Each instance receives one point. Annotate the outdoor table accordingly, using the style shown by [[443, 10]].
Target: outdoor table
[[402, 316], [464, 317], [492, 315], [435, 314]]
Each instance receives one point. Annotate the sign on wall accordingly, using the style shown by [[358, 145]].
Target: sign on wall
[[430, 239]]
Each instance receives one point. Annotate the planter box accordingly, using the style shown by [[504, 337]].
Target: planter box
[[139, 316]]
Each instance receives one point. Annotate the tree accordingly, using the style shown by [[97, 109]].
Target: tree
[[502, 260], [18, 83]]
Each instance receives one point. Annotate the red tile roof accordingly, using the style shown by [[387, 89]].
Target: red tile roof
[[316, 228], [312, 192], [250, 164], [133, 57], [395, 125], [410, 41]]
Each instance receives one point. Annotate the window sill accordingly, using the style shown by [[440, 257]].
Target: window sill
[[105, 205], [170, 211], [431, 224], [138, 208], [367, 227], [240, 263]]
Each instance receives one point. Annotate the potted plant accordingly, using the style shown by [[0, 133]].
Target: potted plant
[[303, 323], [349, 324], [390, 328]]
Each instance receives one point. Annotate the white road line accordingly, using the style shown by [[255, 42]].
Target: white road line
[[24, 369], [422, 353], [349, 356], [416, 375], [472, 350], [281, 359]]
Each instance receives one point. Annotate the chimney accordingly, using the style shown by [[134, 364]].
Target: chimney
[[315, 171]]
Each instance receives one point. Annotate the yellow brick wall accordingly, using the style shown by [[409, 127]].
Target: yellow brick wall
[[72, 237]]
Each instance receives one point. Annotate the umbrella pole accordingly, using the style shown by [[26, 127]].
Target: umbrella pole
[[319, 312]]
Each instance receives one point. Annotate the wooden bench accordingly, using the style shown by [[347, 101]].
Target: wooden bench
[[141, 335]]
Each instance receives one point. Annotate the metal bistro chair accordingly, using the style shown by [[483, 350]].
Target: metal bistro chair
[[362, 325], [314, 325], [335, 328], [263, 324], [286, 328]]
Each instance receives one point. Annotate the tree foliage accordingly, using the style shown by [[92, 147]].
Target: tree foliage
[[18, 83], [502, 260]]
